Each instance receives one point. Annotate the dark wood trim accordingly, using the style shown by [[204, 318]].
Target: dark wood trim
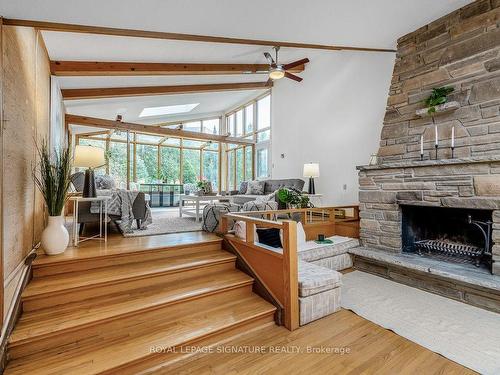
[[75, 28], [151, 129], [114, 68], [113, 92]]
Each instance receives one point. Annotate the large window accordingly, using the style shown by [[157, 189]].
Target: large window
[[251, 121], [190, 165], [154, 158]]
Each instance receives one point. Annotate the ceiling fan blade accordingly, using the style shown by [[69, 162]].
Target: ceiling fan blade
[[296, 63], [293, 76], [269, 58]]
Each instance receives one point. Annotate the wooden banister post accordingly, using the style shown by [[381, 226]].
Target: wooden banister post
[[250, 233], [223, 224], [290, 275]]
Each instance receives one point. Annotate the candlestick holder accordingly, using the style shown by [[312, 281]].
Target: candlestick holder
[[436, 146], [453, 152]]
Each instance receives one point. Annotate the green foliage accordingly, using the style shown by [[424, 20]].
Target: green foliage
[[437, 97], [294, 198], [204, 185], [52, 176]]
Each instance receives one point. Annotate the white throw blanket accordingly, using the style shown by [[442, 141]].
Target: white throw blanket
[[120, 204]]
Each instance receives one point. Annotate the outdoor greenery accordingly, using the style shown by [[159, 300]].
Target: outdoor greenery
[[437, 97], [294, 198], [52, 176]]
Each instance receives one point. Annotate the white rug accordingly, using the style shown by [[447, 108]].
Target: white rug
[[462, 333], [165, 224]]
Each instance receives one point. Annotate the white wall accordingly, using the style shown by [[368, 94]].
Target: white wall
[[333, 117]]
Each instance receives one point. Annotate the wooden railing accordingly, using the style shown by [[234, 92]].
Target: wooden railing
[[276, 269]]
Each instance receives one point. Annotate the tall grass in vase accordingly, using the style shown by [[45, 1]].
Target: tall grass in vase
[[52, 176]]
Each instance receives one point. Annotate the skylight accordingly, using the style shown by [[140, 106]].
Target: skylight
[[168, 110]]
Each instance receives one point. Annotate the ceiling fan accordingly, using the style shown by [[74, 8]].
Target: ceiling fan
[[278, 71]]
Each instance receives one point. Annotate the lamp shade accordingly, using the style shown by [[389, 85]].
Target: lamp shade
[[311, 170], [88, 157]]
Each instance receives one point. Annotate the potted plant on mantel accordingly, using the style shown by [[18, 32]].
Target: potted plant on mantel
[[437, 102], [52, 176]]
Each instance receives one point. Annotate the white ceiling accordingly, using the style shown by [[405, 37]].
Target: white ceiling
[[341, 22]]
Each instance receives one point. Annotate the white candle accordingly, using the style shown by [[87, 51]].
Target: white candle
[[436, 129], [421, 145], [452, 137]]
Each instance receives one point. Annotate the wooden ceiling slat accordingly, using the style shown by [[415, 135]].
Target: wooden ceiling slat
[[74, 28], [112, 92], [151, 129]]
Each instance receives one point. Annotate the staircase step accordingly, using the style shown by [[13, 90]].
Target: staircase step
[[140, 250], [75, 286], [124, 352], [41, 329]]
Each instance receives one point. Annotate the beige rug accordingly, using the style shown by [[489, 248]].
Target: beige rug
[[167, 224], [462, 333]]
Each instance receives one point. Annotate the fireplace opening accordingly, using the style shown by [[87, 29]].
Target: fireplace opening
[[448, 234]]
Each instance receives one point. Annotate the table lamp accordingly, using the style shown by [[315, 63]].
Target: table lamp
[[311, 170], [89, 157]]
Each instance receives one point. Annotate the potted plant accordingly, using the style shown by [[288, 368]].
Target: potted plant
[[204, 187], [52, 176], [293, 198], [439, 95]]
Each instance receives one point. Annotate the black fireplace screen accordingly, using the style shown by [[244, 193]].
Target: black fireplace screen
[[449, 233]]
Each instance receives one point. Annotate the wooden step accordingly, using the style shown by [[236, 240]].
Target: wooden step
[[46, 328], [128, 347], [121, 251], [76, 286]]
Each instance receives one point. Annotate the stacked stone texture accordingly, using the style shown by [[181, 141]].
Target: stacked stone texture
[[461, 50]]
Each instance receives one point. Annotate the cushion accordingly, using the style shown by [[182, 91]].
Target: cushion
[[273, 185], [319, 305], [104, 182], [212, 213], [240, 231], [269, 237], [243, 187], [260, 206], [311, 251], [314, 279], [255, 187], [267, 198]]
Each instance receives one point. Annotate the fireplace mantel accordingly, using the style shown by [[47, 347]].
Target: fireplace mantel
[[429, 163]]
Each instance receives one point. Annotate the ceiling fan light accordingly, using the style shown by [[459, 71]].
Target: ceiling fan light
[[276, 73]]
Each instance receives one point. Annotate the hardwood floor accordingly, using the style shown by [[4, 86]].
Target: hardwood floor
[[114, 308], [373, 350]]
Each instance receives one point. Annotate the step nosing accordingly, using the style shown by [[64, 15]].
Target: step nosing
[[124, 280], [120, 255], [232, 286]]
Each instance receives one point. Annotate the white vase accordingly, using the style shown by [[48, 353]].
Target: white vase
[[55, 236]]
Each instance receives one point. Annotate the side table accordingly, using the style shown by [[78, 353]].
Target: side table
[[103, 215]]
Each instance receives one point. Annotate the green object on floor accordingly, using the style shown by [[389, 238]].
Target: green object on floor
[[324, 241]]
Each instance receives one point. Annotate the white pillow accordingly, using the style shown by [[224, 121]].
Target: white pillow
[[301, 234], [240, 231]]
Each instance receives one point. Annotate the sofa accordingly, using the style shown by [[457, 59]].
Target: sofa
[[270, 186], [85, 216]]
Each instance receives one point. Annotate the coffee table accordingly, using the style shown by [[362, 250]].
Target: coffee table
[[197, 200]]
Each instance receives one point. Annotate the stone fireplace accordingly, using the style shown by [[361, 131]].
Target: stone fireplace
[[460, 50]]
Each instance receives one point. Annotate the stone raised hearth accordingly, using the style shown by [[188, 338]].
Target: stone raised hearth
[[460, 183]]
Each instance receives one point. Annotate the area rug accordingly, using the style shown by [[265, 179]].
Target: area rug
[[462, 333], [163, 224]]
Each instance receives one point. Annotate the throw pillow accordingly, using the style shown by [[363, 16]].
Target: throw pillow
[[269, 237], [255, 188], [240, 231], [243, 187], [267, 198], [301, 235], [104, 182]]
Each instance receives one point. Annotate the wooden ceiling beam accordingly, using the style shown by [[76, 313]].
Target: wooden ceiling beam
[[111, 68], [75, 28], [113, 92], [152, 129]]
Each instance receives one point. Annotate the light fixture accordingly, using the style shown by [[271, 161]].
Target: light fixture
[[88, 157], [277, 72], [311, 170], [168, 110]]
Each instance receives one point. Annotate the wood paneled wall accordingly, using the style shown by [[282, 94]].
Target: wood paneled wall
[[25, 114]]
